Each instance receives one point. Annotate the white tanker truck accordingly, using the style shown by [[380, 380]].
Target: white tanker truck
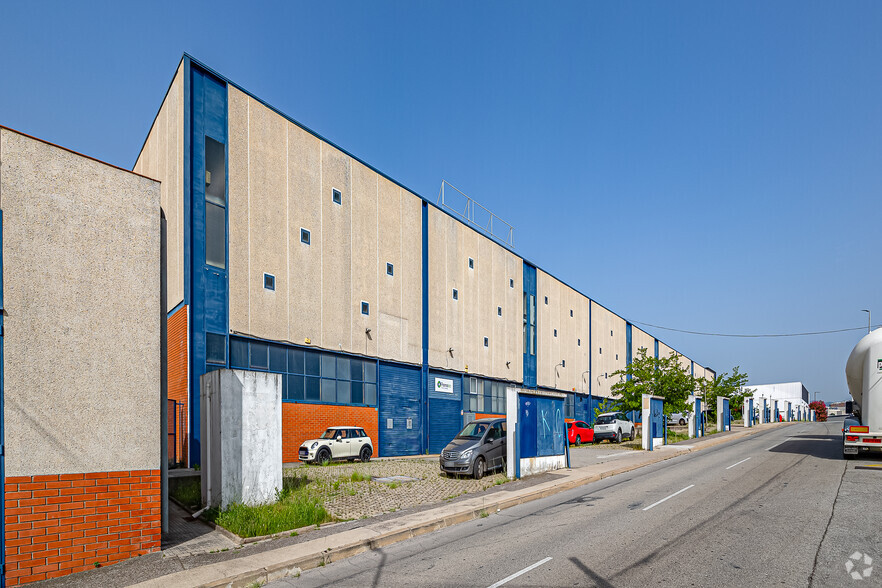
[[863, 372]]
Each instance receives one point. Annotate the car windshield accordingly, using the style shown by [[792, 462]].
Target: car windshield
[[605, 419], [329, 434], [473, 431]]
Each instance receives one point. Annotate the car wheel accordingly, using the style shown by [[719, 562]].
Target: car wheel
[[578, 440], [619, 436], [323, 455], [631, 438], [682, 422], [480, 468], [365, 454]]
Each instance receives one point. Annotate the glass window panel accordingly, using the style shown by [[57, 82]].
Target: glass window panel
[[370, 394], [329, 390], [295, 361], [357, 393], [284, 386], [329, 366], [238, 353], [473, 403], [343, 390], [215, 348], [215, 172], [343, 368], [313, 363], [355, 370], [259, 352], [215, 235], [295, 387], [370, 372], [278, 359], [312, 388]]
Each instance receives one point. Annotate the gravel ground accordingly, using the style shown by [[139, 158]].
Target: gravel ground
[[347, 500]]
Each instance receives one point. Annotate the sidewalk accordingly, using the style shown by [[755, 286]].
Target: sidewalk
[[234, 566]]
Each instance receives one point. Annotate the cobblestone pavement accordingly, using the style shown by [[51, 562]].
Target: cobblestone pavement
[[346, 499]]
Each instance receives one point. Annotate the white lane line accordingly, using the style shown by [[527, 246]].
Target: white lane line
[[735, 464], [669, 497], [778, 443], [521, 573], [615, 454]]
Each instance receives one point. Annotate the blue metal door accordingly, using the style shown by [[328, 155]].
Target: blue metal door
[[445, 409], [400, 425]]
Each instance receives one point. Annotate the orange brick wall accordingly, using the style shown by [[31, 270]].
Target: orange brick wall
[[61, 524], [308, 421], [177, 376]]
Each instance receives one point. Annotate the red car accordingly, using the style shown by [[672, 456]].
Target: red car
[[580, 432]]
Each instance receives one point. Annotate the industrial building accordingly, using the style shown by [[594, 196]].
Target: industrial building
[[80, 361], [380, 308], [795, 393]]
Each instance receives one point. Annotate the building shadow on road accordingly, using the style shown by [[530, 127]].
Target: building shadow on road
[[822, 446]]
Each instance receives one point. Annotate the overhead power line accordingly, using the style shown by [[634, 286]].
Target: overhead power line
[[753, 336]]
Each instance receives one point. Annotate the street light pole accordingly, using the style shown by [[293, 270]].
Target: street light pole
[[869, 320]]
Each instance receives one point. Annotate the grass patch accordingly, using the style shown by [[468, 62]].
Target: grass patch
[[676, 436], [189, 494], [295, 507], [359, 477]]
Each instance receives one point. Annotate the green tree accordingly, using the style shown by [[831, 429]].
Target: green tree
[[659, 376], [608, 405], [728, 385]]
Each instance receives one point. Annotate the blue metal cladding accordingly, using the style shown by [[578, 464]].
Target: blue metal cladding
[[400, 391], [530, 326], [208, 285], [445, 411], [541, 425], [656, 348]]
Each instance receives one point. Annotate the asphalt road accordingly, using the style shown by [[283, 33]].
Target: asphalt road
[[760, 511]]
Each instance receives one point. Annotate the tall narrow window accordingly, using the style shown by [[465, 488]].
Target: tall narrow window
[[215, 204], [337, 197]]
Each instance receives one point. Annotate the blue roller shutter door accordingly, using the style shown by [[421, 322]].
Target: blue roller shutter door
[[445, 412], [399, 401]]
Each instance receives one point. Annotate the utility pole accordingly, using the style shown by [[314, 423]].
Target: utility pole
[[869, 320]]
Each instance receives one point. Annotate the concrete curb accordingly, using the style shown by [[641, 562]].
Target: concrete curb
[[290, 561]]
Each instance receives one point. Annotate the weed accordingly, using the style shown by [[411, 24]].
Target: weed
[[322, 564], [97, 564], [484, 514], [255, 584], [359, 477], [293, 534], [394, 485], [352, 492], [293, 509], [189, 494], [336, 484]]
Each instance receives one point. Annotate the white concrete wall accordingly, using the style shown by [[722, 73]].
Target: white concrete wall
[[81, 270], [242, 437]]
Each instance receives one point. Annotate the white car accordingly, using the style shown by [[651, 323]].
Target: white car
[[338, 443], [613, 426], [678, 418]]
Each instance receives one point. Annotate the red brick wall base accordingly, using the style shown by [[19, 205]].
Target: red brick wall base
[[308, 421], [61, 524]]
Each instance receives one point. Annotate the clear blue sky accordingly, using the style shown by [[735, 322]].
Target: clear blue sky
[[701, 165]]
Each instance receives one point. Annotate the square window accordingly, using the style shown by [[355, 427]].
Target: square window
[[498, 311], [471, 263], [390, 270], [555, 332], [365, 308], [337, 196], [304, 236], [455, 294], [486, 342], [269, 281], [511, 283]]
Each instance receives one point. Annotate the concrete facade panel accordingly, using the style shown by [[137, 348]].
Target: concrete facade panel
[[608, 347], [562, 360], [365, 256], [238, 207], [336, 248], [162, 158], [640, 338], [81, 254]]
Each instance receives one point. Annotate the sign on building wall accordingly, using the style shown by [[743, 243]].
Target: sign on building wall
[[444, 385]]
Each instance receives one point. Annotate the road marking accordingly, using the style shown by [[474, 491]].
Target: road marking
[[778, 443], [614, 455], [521, 573], [669, 497], [735, 464]]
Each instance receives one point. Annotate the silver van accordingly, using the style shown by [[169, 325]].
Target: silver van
[[480, 447]]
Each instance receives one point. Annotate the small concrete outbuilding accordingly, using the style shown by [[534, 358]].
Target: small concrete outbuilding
[[80, 361]]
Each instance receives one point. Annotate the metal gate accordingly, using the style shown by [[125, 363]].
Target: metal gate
[[399, 410], [445, 409], [176, 434]]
